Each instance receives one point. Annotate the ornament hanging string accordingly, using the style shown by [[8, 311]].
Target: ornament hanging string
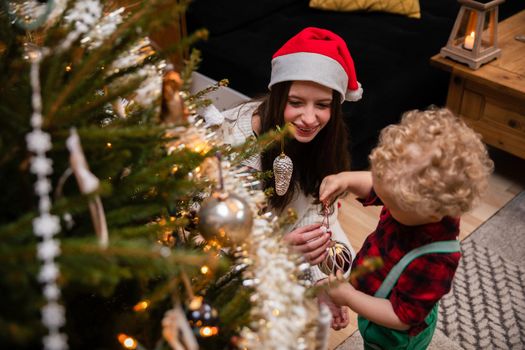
[[218, 155], [326, 217]]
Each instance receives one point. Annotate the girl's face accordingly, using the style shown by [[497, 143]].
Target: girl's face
[[307, 109]]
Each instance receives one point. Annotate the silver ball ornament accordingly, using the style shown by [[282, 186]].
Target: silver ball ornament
[[225, 217], [339, 258]]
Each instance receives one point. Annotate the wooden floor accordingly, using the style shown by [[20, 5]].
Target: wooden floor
[[507, 181]]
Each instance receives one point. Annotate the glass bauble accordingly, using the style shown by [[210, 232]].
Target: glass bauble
[[226, 218]]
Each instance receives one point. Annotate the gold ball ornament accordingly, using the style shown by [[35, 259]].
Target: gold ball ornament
[[225, 217], [339, 258]]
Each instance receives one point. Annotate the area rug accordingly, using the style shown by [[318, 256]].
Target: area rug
[[485, 308]]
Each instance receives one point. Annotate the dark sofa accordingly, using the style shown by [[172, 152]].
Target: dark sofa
[[391, 54]]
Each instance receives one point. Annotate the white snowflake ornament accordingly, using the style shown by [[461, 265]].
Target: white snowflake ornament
[[53, 315], [55, 341], [46, 225], [38, 141], [48, 273], [41, 165], [48, 249]]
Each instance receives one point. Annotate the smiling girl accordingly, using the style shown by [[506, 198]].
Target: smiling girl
[[312, 74]]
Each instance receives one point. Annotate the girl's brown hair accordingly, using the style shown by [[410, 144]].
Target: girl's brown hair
[[326, 154]]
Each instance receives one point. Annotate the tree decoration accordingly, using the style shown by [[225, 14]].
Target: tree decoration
[[83, 16], [283, 317], [88, 183], [339, 257], [92, 59], [176, 111], [31, 15], [45, 225], [225, 217], [282, 171], [176, 330]]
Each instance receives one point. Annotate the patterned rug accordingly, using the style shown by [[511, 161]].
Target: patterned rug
[[486, 307]]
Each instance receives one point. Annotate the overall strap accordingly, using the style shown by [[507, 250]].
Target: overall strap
[[451, 246]]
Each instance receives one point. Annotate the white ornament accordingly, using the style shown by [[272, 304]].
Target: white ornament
[[53, 315], [48, 249], [87, 182], [46, 225], [42, 186], [48, 273], [44, 204], [55, 341], [38, 141], [41, 165], [51, 292]]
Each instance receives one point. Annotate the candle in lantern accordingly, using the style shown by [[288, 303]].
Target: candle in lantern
[[469, 41]]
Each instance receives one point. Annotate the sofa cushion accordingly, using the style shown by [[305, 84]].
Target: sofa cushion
[[408, 8]]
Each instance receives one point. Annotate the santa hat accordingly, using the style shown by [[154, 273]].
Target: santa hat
[[317, 55]]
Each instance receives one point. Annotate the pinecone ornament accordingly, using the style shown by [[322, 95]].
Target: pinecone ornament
[[282, 172]]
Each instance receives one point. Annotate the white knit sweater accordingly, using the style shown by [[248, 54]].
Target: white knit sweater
[[236, 128]]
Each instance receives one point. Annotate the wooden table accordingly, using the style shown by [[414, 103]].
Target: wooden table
[[491, 99]]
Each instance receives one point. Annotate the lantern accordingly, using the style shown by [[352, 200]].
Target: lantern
[[473, 39]]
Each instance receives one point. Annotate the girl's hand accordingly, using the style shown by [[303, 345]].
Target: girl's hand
[[311, 241]]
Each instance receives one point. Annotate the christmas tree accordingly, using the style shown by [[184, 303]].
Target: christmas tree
[[105, 162]]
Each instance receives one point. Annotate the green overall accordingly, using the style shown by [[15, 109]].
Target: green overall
[[378, 337]]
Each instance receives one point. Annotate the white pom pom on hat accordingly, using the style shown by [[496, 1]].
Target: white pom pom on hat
[[317, 55]]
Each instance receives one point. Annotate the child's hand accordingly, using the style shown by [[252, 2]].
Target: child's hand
[[340, 317], [331, 187], [338, 289]]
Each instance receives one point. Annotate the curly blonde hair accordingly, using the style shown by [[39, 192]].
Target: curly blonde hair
[[432, 163]]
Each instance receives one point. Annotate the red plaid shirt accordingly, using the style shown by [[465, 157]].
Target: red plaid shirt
[[425, 280]]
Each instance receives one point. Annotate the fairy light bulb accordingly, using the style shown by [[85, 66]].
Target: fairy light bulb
[[141, 306], [208, 331], [205, 269], [127, 341]]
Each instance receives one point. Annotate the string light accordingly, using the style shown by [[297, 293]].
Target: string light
[[195, 303], [109, 145], [205, 269], [208, 331], [127, 341], [141, 306]]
